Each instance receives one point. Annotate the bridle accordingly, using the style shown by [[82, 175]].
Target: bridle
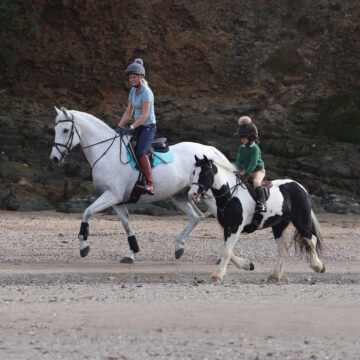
[[68, 144], [202, 191]]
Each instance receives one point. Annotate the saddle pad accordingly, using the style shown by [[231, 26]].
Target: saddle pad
[[159, 158]]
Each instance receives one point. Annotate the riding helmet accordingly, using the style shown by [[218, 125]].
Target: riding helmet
[[137, 67], [247, 128]]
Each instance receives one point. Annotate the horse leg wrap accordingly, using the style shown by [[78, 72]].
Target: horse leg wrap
[[133, 244], [84, 230]]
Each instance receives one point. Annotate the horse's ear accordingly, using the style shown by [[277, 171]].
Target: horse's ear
[[66, 112], [197, 159], [57, 110], [206, 159]]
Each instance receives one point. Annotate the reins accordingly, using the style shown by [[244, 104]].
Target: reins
[[239, 182], [68, 144]]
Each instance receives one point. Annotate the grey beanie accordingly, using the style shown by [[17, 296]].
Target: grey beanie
[[137, 67]]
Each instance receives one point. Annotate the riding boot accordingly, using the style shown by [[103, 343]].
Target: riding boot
[[260, 199], [146, 168]]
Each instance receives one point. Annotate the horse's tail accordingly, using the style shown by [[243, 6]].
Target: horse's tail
[[315, 230]]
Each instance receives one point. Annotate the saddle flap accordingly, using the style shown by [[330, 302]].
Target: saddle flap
[[266, 184]]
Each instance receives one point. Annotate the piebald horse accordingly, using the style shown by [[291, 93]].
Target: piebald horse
[[114, 178], [288, 202]]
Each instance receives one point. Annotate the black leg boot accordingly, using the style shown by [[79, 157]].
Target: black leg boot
[[260, 199]]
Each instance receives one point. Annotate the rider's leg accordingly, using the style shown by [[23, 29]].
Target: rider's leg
[[145, 138], [259, 190], [146, 168]]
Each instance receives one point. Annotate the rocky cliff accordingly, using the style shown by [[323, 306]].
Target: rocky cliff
[[291, 65]]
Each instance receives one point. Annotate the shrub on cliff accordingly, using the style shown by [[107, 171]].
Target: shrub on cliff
[[13, 19]]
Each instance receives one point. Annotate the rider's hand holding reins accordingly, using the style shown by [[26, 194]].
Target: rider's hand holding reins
[[123, 131]]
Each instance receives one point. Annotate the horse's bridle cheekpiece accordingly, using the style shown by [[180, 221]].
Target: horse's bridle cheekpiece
[[68, 144]]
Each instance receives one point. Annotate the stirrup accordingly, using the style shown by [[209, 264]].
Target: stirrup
[[146, 189], [260, 207]]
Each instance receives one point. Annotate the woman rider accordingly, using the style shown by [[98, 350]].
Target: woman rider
[[141, 99]]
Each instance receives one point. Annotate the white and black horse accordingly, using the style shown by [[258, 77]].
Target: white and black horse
[[114, 177], [288, 202]]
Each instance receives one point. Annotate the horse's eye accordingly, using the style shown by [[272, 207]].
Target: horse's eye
[[194, 172], [66, 130]]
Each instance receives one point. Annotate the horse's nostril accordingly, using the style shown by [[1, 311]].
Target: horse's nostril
[[55, 160]]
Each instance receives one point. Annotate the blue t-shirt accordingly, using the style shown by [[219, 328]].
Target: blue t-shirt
[[137, 100]]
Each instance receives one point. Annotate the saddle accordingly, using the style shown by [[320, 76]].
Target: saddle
[[158, 145], [257, 217], [266, 184]]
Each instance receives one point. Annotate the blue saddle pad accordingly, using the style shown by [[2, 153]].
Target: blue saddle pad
[[159, 158]]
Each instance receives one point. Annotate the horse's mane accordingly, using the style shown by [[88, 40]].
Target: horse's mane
[[91, 117], [222, 161], [87, 116]]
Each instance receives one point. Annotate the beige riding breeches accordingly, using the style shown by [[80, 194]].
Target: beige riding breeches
[[257, 177]]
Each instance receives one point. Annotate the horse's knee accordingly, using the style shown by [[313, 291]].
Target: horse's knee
[[226, 254]]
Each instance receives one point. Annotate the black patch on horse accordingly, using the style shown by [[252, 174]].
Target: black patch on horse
[[297, 206], [272, 221], [229, 210], [255, 223]]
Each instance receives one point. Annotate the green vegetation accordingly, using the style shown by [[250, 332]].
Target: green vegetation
[[14, 20], [334, 5], [340, 117]]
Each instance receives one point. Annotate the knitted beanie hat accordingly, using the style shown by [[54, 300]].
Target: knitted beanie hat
[[137, 67], [247, 128]]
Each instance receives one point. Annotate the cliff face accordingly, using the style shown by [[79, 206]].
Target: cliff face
[[208, 62]]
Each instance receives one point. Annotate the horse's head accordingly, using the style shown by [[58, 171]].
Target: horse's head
[[204, 176], [66, 135]]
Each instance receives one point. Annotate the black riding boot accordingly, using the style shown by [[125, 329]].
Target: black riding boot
[[260, 199]]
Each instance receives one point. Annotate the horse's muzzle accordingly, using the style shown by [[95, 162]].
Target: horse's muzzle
[[194, 196], [55, 160]]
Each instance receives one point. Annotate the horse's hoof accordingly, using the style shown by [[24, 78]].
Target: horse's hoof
[[323, 269], [179, 253], [216, 278], [218, 261], [272, 279], [85, 251], [126, 260], [252, 267]]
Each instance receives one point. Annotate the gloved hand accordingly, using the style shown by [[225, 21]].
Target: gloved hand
[[123, 131], [244, 176]]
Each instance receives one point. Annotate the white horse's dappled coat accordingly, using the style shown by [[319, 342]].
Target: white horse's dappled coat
[[114, 178], [288, 202]]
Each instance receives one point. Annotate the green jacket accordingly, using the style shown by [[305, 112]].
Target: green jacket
[[250, 157]]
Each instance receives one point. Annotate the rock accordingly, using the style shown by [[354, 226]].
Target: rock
[[25, 201], [75, 205]]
